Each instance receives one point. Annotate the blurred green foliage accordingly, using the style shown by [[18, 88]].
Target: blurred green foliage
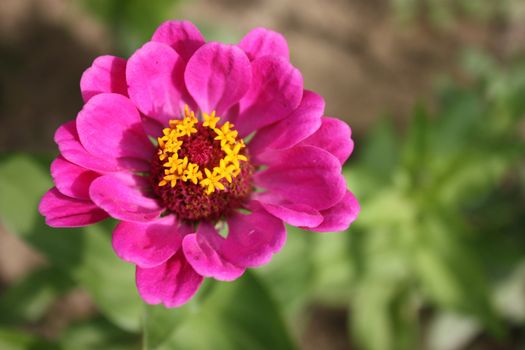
[[429, 237], [436, 258], [438, 249], [131, 21], [443, 13], [226, 316]]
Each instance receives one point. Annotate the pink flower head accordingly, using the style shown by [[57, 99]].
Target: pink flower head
[[187, 139]]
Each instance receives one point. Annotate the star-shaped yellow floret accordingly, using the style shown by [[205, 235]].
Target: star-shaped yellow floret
[[225, 134], [173, 162], [225, 170], [210, 120], [187, 126], [169, 179], [192, 173], [232, 154], [212, 181]]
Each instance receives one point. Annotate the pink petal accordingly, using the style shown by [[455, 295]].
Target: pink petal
[[107, 74], [109, 127], [340, 216], [123, 198], [149, 244], [262, 42], [152, 126], [203, 251], [253, 238], [172, 283], [217, 76], [231, 114], [304, 174], [155, 75], [276, 90], [288, 132], [182, 36], [66, 137], [295, 214], [334, 136], [63, 211], [71, 179]]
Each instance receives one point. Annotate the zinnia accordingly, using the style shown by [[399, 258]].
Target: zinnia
[[203, 151]]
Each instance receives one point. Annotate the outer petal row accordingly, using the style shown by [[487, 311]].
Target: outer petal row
[[109, 127], [124, 197], [293, 195], [71, 179], [63, 211], [108, 137], [334, 219], [263, 42], [217, 76], [252, 240], [172, 283], [182, 36], [303, 174], [149, 244], [340, 216], [170, 275], [107, 74], [155, 76], [286, 133], [203, 251], [295, 214], [276, 90], [68, 141], [334, 136]]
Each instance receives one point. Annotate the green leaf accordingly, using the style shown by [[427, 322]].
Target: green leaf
[[98, 333], [458, 122], [289, 276], [381, 155], [28, 300], [159, 322], [384, 315], [332, 272], [22, 182], [451, 274], [132, 21], [415, 148], [109, 280], [85, 255], [237, 315], [16, 340]]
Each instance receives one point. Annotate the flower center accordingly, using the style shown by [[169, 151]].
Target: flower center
[[201, 171]]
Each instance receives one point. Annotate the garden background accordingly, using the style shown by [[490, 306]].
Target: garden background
[[434, 91]]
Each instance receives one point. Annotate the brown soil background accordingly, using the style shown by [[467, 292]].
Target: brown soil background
[[363, 60]]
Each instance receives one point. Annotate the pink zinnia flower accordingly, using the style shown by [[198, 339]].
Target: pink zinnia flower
[[186, 140]]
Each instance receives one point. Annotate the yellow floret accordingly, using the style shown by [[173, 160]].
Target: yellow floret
[[182, 169], [187, 127], [210, 120], [211, 181], [192, 173], [225, 170], [225, 134], [232, 154]]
